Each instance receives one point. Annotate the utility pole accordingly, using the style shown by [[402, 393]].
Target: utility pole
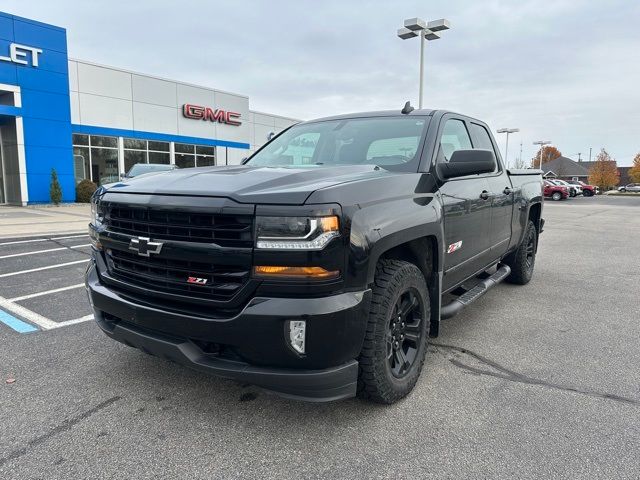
[[506, 148], [589, 153], [542, 144], [520, 159], [414, 27]]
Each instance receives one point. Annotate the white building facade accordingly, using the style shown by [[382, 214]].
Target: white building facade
[[93, 121]]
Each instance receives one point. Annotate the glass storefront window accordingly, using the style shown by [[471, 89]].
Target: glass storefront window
[[159, 157], [184, 148], [135, 144], [205, 161], [99, 155], [131, 157], [81, 154], [104, 165], [99, 141], [185, 161], [201, 150], [158, 146], [80, 139]]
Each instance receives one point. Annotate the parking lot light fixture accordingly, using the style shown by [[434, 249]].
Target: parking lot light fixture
[[506, 148], [414, 27], [542, 143]]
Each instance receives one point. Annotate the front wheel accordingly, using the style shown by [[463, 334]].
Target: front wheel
[[395, 343], [557, 196], [523, 259]]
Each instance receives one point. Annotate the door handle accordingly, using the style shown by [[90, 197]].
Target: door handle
[[507, 190], [484, 195]]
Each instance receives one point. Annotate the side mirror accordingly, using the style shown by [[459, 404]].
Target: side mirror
[[467, 162]]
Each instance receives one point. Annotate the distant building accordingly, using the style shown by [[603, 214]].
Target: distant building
[[564, 168], [624, 175]]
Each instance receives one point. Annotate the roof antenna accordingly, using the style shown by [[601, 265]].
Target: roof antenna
[[407, 108]]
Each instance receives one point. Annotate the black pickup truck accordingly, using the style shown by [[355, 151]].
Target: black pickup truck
[[319, 267]]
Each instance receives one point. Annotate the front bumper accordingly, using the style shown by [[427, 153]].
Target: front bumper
[[257, 337]]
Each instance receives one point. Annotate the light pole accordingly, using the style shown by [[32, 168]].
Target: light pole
[[506, 147], [414, 27], [542, 143]]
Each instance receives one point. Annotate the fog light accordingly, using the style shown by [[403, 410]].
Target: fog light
[[297, 334]]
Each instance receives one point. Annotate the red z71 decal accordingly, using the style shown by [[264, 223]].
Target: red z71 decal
[[454, 246], [197, 280]]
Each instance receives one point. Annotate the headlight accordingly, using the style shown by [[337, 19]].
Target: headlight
[[97, 216], [296, 233]]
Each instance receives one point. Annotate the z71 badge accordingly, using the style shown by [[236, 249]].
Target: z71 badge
[[454, 246], [197, 280]]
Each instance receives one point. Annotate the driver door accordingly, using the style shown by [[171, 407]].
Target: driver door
[[467, 210]]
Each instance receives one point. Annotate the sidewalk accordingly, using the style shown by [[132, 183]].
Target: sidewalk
[[43, 220]]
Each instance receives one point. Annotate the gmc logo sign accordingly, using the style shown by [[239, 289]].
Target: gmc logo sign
[[205, 113]]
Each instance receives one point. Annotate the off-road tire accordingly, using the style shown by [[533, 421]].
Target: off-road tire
[[394, 280], [523, 260]]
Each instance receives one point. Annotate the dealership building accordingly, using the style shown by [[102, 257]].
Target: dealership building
[[92, 121]]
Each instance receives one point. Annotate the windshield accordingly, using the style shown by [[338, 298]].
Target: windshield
[[140, 168], [390, 142]]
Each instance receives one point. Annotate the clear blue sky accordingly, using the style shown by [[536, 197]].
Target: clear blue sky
[[565, 71]]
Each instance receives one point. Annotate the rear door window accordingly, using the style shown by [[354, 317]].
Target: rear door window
[[482, 139]]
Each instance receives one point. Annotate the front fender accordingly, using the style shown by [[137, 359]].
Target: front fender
[[377, 228]]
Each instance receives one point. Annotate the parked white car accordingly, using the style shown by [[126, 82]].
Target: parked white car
[[632, 187], [573, 189]]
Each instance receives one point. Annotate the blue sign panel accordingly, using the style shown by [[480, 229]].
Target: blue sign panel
[[33, 56]]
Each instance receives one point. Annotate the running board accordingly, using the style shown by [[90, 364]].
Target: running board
[[475, 293]]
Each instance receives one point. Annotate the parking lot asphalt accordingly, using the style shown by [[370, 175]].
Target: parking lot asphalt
[[529, 382]]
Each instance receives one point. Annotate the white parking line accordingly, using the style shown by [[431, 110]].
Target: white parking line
[[86, 318], [37, 319], [49, 267], [47, 292], [27, 314], [42, 251]]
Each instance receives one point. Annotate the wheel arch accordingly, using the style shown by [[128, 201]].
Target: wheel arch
[[421, 246]]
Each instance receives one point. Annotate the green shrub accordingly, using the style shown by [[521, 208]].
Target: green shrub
[[84, 190], [55, 191]]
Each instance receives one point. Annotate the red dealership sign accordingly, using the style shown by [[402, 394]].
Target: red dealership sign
[[214, 115]]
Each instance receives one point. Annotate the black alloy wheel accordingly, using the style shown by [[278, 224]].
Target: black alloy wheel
[[404, 333]]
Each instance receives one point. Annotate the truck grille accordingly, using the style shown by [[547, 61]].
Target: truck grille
[[222, 229], [171, 276]]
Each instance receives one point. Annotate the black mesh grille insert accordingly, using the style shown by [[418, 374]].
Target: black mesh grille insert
[[223, 229], [182, 277]]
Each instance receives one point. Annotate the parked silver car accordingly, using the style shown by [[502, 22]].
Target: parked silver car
[[632, 187]]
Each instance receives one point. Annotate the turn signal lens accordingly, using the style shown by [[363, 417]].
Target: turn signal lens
[[317, 273]]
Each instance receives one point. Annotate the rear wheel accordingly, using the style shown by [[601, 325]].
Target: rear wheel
[[395, 343], [556, 196], [523, 259]]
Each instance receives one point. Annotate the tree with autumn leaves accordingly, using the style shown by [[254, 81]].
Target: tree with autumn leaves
[[634, 172], [604, 171], [548, 153]]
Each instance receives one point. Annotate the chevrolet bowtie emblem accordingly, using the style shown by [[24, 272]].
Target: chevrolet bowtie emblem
[[144, 247]]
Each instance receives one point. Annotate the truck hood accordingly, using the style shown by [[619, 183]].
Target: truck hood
[[246, 184]]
